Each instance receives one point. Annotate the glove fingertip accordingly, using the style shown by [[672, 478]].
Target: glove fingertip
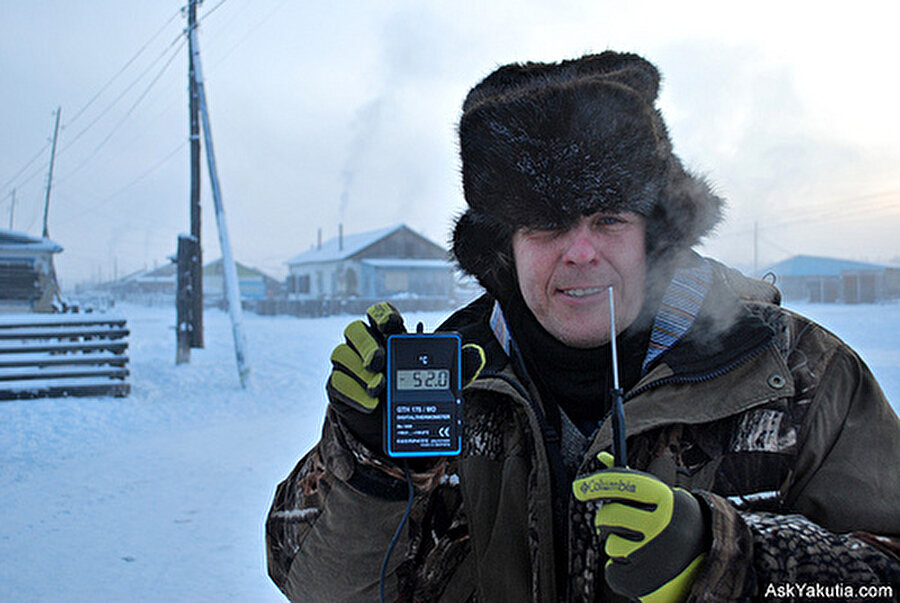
[[376, 386], [375, 361], [607, 459]]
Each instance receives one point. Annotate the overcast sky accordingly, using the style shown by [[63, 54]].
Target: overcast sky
[[345, 112]]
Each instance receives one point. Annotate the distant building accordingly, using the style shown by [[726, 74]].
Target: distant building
[[832, 280], [27, 280], [252, 283], [389, 263], [158, 284]]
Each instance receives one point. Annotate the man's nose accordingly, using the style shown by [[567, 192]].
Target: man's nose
[[581, 246]]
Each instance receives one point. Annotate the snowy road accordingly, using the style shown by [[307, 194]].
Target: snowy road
[[162, 496]]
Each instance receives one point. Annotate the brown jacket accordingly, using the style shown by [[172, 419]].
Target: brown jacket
[[771, 420]]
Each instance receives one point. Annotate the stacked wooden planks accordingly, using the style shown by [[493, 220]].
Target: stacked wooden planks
[[54, 355]]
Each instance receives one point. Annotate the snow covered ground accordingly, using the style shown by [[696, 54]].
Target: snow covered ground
[[162, 496]]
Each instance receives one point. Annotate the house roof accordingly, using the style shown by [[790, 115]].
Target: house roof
[[332, 250], [19, 241], [167, 272], [243, 271], [810, 265], [407, 263]]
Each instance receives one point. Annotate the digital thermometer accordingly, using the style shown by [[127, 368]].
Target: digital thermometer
[[424, 411]]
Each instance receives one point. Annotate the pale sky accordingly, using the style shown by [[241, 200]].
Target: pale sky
[[345, 112]]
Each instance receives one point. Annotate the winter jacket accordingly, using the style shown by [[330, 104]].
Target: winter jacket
[[771, 421]]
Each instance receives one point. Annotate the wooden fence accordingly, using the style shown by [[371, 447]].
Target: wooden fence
[[57, 355]]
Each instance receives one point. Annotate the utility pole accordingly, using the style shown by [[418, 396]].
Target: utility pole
[[232, 292], [46, 233], [186, 246], [189, 279], [196, 265], [12, 209]]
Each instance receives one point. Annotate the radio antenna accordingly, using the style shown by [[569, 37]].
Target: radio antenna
[[618, 410]]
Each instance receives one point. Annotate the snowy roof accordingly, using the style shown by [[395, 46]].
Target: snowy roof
[[810, 265], [167, 272], [333, 251], [19, 241], [406, 263]]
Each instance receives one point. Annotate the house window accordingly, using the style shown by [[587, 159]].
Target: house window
[[20, 281], [396, 281], [302, 283], [351, 282]]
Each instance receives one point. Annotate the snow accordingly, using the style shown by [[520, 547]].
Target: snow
[[162, 496]]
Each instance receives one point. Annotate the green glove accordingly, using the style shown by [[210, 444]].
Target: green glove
[[357, 378], [357, 381], [656, 536]]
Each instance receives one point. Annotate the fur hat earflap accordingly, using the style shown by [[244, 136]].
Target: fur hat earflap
[[545, 143]]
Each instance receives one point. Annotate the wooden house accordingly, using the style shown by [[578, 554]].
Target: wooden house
[[27, 279], [389, 263]]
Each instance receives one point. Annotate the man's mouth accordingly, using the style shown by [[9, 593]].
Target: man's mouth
[[582, 292]]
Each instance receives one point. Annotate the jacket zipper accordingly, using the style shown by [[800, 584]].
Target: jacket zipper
[[702, 377], [696, 378]]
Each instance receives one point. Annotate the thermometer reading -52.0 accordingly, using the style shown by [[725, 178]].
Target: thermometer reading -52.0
[[423, 379]]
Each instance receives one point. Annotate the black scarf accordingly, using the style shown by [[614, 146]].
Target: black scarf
[[576, 380]]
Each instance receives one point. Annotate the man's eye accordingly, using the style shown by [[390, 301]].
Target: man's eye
[[610, 221], [544, 233]]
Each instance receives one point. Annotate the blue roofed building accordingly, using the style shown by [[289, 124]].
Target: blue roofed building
[[834, 280]]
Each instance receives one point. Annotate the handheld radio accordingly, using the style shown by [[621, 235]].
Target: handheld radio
[[423, 412]]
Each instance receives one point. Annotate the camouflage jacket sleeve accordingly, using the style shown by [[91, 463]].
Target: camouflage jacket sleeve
[[840, 526], [759, 556], [333, 518]]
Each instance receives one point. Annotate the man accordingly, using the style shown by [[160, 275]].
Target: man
[[762, 454]]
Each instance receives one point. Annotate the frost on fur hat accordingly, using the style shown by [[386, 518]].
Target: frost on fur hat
[[545, 143]]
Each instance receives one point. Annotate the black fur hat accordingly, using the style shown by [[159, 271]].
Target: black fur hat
[[545, 143]]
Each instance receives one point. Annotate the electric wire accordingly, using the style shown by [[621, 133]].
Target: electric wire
[[122, 70], [78, 113], [121, 95], [249, 32], [396, 538], [808, 216], [212, 10], [41, 169], [124, 188], [127, 113], [26, 166]]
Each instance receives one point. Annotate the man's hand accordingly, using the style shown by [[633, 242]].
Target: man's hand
[[357, 381], [357, 378], [656, 536]]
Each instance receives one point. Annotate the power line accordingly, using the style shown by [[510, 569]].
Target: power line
[[143, 175], [250, 31], [212, 10], [127, 113], [806, 214], [27, 164], [180, 37], [833, 213], [78, 113], [122, 70]]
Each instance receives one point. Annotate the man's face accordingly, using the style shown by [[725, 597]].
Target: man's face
[[564, 275]]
